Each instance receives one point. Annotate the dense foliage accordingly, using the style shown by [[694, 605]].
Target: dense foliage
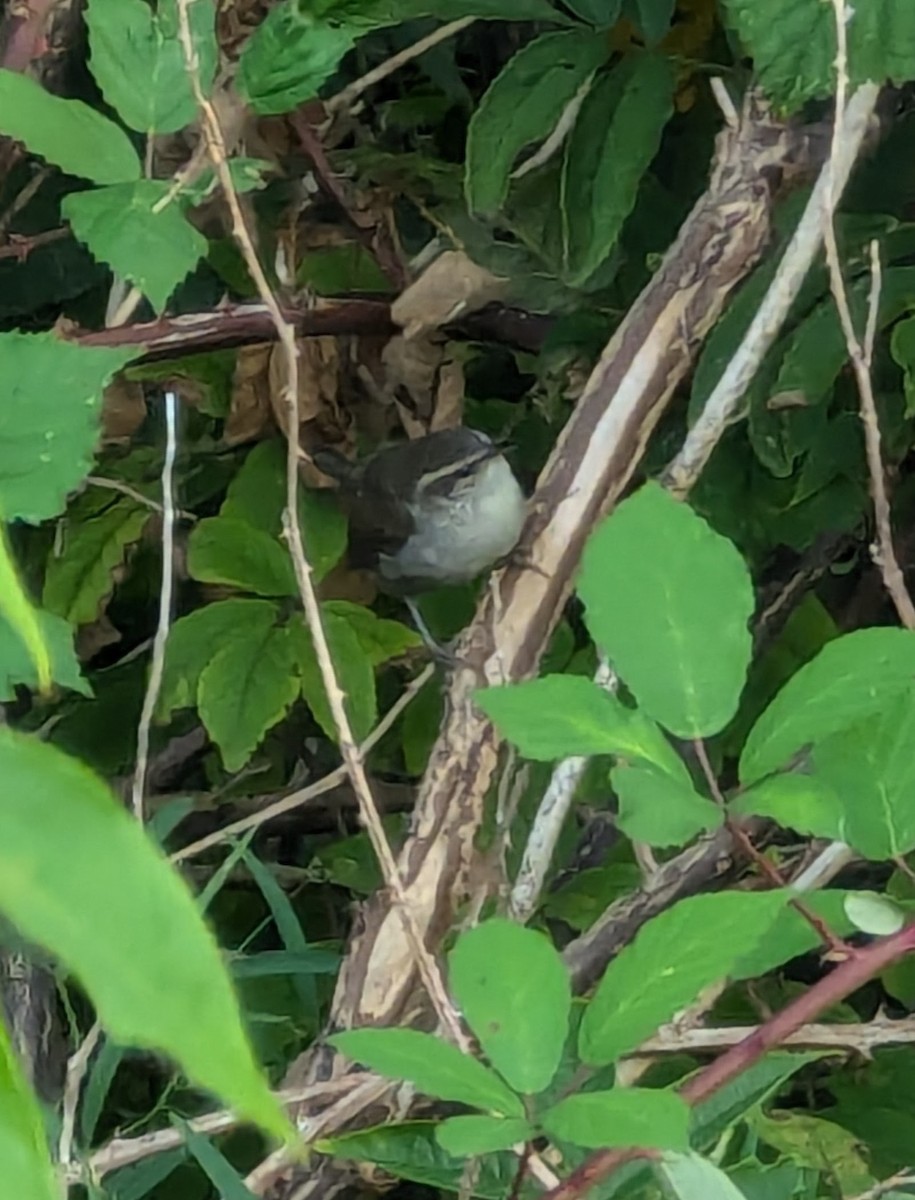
[[455, 205]]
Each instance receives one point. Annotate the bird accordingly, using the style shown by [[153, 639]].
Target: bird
[[438, 510]]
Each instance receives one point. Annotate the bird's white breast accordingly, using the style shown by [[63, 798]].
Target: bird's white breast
[[459, 538]]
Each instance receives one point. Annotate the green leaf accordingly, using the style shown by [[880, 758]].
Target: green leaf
[[793, 44], [137, 59], [805, 803], [68, 133], [657, 614], [816, 350], [561, 715], [79, 578], [154, 248], [822, 1145], [226, 550], [291, 933], [791, 935], [690, 1177], [50, 397], [871, 769], [763, 1079], [27, 1169], [122, 921], [354, 674], [902, 348], [18, 667], [852, 678], [470, 1136], [196, 639], [615, 137], [393, 12], [623, 1117], [289, 56], [601, 13], [654, 18], [676, 955], [435, 1067], [380, 639], [257, 495], [515, 993], [660, 810], [411, 1151], [245, 689], [225, 1179], [522, 106]]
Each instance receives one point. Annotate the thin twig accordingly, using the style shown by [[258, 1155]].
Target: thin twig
[[344, 99], [157, 666], [904, 1178], [428, 969], [123, 1151], [884, 555], [303, 795], [550, 818], [118, 485], [22, 198], [77, 1065], [829, 939], [857, 1038], [723, 404]]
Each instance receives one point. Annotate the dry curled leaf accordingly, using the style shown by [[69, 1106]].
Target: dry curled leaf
[[249, 411], [450, 287], [319, 382], [425, 382]]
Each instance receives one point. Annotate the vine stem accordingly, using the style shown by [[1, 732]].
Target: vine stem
[[352, 758]]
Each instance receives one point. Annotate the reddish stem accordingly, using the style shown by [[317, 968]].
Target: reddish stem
[[846, 978]]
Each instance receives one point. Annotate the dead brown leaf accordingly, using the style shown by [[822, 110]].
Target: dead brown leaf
[[250, 411], [425, 382], [450, 287], [123, 411]]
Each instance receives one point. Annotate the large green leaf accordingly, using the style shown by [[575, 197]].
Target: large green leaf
[[852, 678], [676, 955], [50, 397], [623, 1117], [522, 107], [79, 576], [155, 248], [561, 715], [27, 1169], [434, 1066], [616, 135], [137, 59], [515, 994], [659, 615], [793, 44], [226, 550], [195, 640], [79, 876], [245, 689], [68, 133]]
